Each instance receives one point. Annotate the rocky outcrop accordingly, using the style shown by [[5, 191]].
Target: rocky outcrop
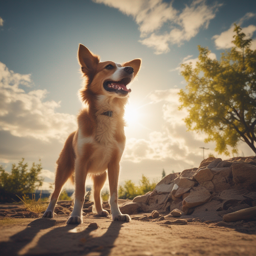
[[214, 189]]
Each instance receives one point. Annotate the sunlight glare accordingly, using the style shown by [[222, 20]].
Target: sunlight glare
[[131, 115]]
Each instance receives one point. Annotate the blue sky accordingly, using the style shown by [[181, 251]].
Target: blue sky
[[40, 78]]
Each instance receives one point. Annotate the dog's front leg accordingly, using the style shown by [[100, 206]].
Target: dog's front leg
[[80, 177], [113, 174]]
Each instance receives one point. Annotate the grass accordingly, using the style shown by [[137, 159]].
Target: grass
[[34, 206]]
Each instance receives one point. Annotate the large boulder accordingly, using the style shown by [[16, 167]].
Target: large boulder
[[206, 162], [214, 163], [203, 175], [169, 178], [188, 173], [142, 199], [130, 208], [198, 195], [244, 174], [222, 178]]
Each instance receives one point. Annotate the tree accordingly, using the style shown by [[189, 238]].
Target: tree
[[163, 174], [21, 180], [220, 96]]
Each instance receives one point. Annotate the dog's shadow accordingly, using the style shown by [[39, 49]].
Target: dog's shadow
[[74, 239], [24, 237]]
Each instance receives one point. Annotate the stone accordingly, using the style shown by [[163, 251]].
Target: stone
[[169, 178], [214, 163], [244, 214], [93, 225], [199, 195], [224, 164], [231, 194], [177, 204], [130, 208], [164, 188], [208, 185], [142, 199], [154, 214], [157, 199], [188, 173], [222, 178], [180, 192], [185, 195], [203, 175], [161, 218], [206, 162], [176, 222], [185, 183], [176, 213], [244, 174]]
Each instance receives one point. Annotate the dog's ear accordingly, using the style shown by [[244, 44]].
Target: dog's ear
[[135, 64], [87, 59]]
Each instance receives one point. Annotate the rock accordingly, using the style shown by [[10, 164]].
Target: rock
[[231, 194], [161, 218], [188, 173], [185, 183], [142, 199], [203, 175], [244, 174], [206, 162], [174, 190], [130, 208], [176, 222], [244, 214], [93, 225], [185, 195], [157, 199], [197, 196], [169, 178], [214, 163], [164, 188], [222, 178], [154, 214], [208, 185], [224, 164], [176, 213], [177, 204]]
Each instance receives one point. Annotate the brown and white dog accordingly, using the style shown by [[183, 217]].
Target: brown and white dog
[[97, 146]]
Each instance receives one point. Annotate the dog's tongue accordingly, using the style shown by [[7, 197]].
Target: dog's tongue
[[124, 88]]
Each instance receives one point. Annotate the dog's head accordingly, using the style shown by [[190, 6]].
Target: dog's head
[[107, 78]]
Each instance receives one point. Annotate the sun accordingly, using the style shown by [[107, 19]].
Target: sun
[[131, 115]]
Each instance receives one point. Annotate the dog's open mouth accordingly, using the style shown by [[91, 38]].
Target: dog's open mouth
[[117, 86]]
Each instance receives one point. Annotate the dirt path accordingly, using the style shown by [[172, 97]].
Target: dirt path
[[54, 237]]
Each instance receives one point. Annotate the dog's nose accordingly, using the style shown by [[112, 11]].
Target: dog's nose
[[128, 70]]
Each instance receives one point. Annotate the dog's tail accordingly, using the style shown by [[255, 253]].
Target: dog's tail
[[66, 162]]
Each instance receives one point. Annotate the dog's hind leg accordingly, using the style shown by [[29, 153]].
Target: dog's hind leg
[[65, 169], [98, 183]]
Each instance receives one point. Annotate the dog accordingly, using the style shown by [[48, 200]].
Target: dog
[[96, 148]]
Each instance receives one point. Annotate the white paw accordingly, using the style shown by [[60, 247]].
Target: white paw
[[122, 217], [75, 220], [48, 214]]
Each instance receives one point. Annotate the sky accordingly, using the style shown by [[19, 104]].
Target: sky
[[40, 76]]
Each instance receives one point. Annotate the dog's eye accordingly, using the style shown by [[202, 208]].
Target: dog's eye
[[109, 66]]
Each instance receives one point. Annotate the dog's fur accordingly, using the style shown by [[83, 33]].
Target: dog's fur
[[97, 146]]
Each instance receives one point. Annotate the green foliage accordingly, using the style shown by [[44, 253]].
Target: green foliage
[[163, 174], [220, 95], [21, 180], [105, 195], [64, 195], [130, 190]]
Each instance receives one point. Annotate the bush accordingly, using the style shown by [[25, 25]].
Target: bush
[[20, 181], [130, 190], [64, 195]]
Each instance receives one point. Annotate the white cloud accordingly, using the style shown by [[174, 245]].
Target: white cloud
[[224, 40], [1, 22], [173, 142], [151, 16], [26, 114], [189, 60]]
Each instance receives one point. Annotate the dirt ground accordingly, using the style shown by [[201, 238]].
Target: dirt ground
[[141, 236]]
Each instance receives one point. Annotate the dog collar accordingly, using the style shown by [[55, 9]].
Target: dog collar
[[108, 113]]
